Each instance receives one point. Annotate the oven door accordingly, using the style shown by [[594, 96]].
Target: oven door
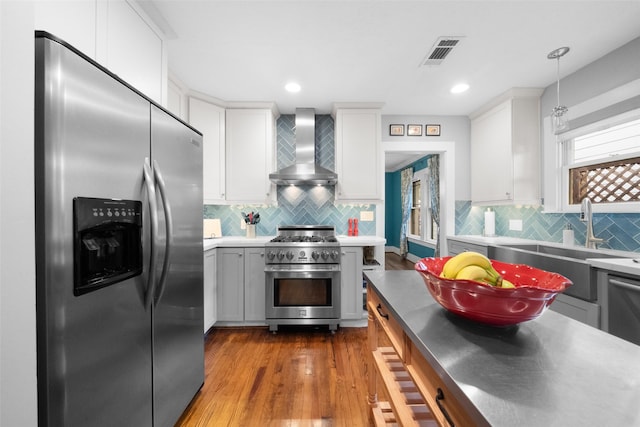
[[303, 291]]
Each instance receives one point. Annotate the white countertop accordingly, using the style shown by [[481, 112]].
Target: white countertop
[[622, 265], [361, 240], [260, 241], [235, 242]]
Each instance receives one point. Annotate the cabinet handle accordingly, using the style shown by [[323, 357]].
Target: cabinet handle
[[379, 308], [439, 399]]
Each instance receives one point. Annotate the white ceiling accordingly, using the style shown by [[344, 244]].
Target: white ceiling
[[371, 50]]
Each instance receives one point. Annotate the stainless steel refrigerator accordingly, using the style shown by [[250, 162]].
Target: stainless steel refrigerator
[[118, 247]]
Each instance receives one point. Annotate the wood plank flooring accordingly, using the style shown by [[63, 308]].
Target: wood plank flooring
[[298, 377]]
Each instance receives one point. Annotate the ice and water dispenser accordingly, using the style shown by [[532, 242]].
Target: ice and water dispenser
[[107, 242]]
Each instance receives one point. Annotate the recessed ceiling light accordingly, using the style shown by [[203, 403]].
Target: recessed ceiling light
[[292, 87], [459, 88]]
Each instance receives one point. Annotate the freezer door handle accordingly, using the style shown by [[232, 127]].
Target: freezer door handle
[[168, 229], [153, 216]]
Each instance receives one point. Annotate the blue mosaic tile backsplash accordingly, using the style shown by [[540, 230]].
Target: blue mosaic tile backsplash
[[297, 205], [619, 231]]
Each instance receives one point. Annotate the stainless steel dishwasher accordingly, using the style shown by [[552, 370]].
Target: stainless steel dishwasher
[[621, 308]]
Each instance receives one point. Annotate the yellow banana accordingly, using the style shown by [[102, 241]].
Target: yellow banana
[[460, 261], [506, 284], [473, 272], [454, 265]]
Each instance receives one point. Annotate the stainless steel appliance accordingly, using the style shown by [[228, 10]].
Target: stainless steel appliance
[[118, 249], [620, 301], [303, 277], [305, 171]]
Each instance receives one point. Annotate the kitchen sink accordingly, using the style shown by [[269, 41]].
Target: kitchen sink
[[568, 261], [565, 252]]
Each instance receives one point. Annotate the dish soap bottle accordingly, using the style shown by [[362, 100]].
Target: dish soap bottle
[[567, 236]]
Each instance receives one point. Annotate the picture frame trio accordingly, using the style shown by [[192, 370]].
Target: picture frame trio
[[414, 130]]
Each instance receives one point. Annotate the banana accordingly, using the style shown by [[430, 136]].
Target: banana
[[457, 263], [473, 272], [460, 261], [506, 284]]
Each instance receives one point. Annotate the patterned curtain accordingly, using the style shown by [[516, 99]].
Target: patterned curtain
[[406, 178], [434, 191]]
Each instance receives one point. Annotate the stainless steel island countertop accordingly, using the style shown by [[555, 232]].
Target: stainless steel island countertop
[[551, 371]]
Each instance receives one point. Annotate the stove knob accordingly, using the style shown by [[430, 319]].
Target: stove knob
[[315, 255], [334, 254], [325, 254], [289, 255], [302, 255], [280, 254], [271, 255]]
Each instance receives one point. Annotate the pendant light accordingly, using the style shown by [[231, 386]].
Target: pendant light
[[559, 120]]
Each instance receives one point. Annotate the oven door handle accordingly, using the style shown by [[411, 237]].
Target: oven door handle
[[280, 269]]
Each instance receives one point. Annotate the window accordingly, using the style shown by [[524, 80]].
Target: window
[[421, 224], [415, 222], [604, 164]]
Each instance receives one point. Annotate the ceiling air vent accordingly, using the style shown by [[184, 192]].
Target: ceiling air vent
[[440, 49]]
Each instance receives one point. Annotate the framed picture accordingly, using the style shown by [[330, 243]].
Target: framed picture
[[396, 130], [432, 130], [414, 130]]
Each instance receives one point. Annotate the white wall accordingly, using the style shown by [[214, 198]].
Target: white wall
[[18, 399], [612, 70], [452, 128]]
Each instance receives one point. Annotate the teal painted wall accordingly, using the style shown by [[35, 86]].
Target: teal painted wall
[[393, 211]]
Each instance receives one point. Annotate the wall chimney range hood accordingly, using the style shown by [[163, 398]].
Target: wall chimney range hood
[[305, 171]]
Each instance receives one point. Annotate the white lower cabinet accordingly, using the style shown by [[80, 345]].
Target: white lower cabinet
[[351, 283], [209, 288], [241, 285]]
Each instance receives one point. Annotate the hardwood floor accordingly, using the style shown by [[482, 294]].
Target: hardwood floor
[[395, 262], [298, 377]]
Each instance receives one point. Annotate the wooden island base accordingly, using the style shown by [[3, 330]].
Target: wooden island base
[[417, 397]]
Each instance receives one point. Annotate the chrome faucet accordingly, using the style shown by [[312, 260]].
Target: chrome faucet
[[586, 215]]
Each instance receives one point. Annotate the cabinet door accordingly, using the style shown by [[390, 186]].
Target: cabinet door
[[134, 51], [209, 276], [457, 247], [254, 285], [351, 286], [358, 154], [491, 155], [75, 25], [577, 309], [249, 155], [210, 120], [230, 284]]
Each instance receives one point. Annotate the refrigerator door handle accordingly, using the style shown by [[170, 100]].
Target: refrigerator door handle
[[153, 216], [168, 229]]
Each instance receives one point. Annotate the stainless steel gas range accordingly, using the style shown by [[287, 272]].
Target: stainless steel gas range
[[303, 277]]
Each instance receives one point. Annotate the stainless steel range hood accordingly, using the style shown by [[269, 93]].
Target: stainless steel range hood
[[305, 171]]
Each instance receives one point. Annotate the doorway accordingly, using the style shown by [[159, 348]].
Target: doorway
[[404, 153]]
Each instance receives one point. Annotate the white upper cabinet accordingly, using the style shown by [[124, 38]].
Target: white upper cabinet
[[210, 120], [75, 25], [114, 33], [250, 146], [505, 150], [134, 50], [359, 160]]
